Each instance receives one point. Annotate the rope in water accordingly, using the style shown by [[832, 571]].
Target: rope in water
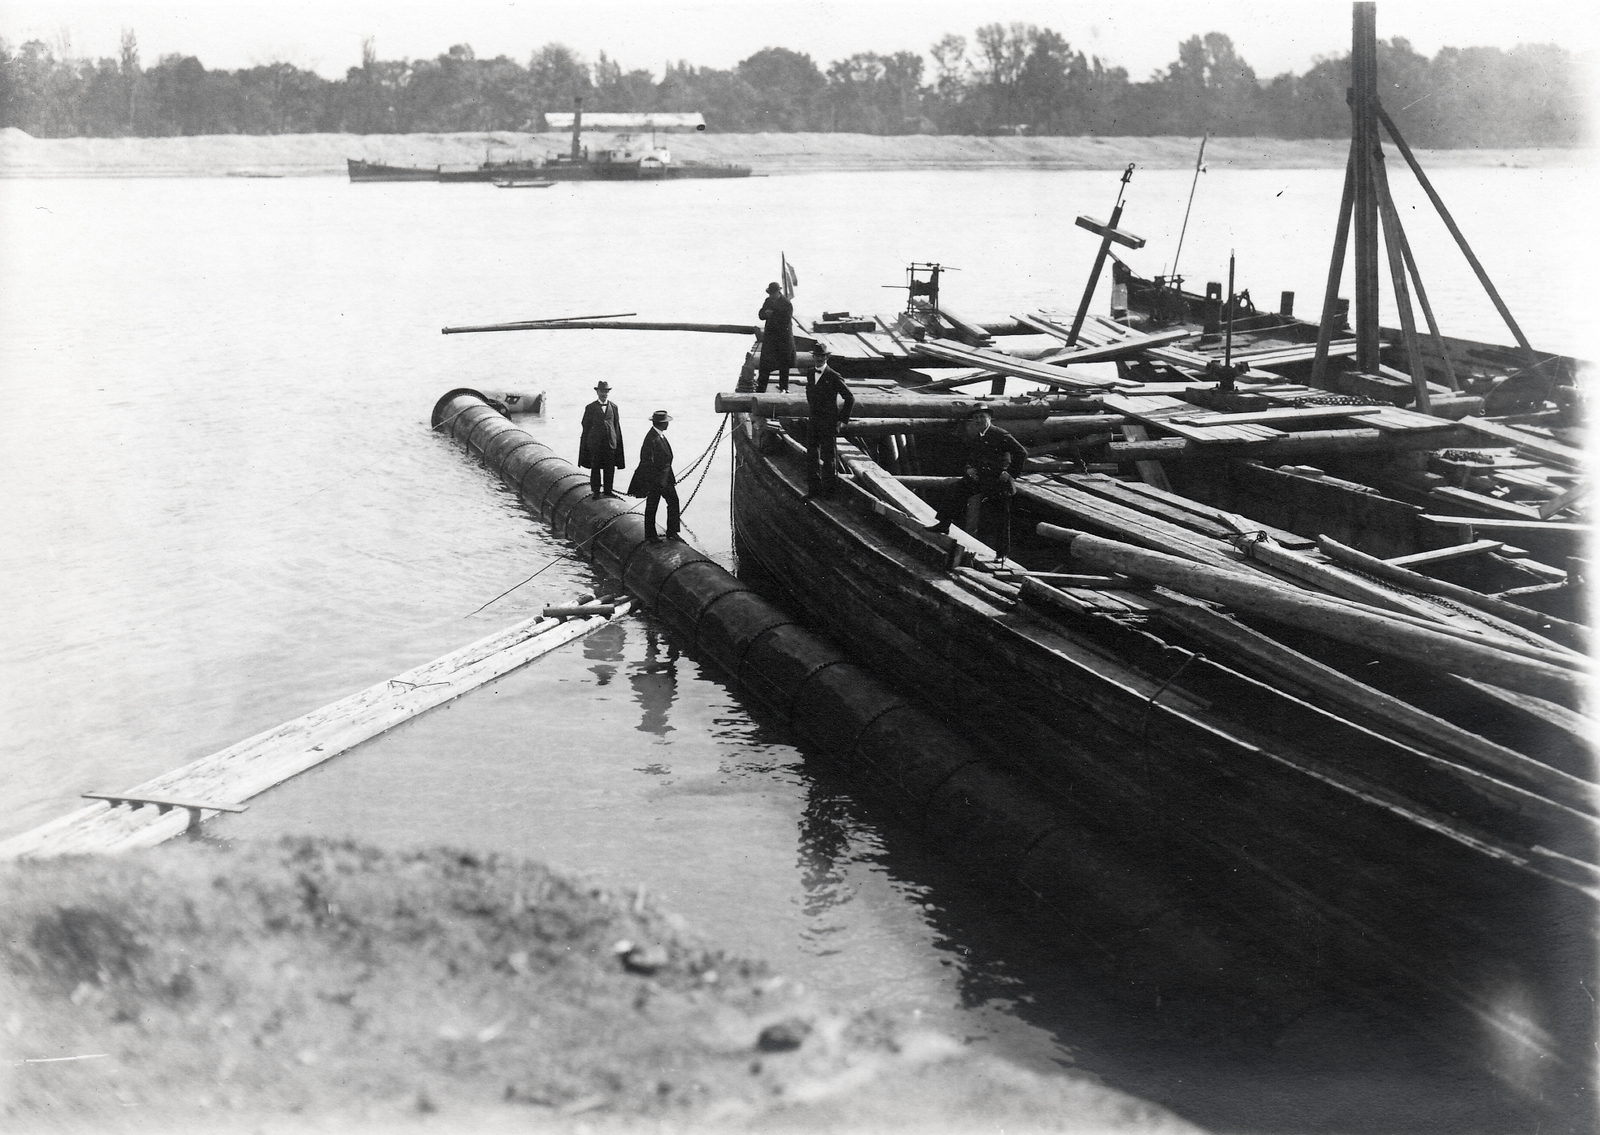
[[705, 457]]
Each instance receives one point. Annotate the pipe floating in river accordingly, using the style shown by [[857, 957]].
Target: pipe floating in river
[[927, 773]]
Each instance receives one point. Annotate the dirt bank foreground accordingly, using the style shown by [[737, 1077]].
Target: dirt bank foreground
[[319, 986]]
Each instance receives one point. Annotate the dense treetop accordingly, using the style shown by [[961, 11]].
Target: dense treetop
[[1007, 79]]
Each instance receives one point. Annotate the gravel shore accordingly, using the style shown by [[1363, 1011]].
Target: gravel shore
[[311, 155], [325, 986]]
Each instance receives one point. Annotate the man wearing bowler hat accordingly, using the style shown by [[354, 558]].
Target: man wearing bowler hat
[[600, 446], [777, 339], [653, 479]]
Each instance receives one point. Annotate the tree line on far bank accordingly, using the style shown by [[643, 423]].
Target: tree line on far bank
[[1008, 79]]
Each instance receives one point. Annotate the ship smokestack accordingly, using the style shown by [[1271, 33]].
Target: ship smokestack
[[577, 125]]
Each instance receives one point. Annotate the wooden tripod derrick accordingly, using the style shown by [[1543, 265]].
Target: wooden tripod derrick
[[1365, 202]]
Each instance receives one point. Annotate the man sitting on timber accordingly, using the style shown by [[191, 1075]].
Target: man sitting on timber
[[600, 444], [993, 457], [777, 339], [653, 479], [823, 394]]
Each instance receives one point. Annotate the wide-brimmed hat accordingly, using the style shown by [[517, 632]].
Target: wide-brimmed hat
[[602, 387], [773, 287], [660, 418], [976, 410], [820, 350]]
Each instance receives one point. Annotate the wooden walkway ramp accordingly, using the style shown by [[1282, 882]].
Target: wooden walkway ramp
[[179, 800]]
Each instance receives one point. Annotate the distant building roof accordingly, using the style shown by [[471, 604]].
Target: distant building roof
[[647, 120]]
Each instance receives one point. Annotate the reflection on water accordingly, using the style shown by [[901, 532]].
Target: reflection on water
[[655, 682]]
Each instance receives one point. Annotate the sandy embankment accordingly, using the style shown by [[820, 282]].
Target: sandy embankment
[[307, 155], [322, 986]]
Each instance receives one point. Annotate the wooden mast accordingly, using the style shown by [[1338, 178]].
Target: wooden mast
[[1363, 143]]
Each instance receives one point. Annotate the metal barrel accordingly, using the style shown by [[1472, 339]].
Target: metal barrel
[[929, 776]]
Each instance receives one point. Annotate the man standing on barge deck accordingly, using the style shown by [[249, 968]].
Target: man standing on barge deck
[[600, 445], [777, 339], [653, 479], [993, 458], [823, 394]]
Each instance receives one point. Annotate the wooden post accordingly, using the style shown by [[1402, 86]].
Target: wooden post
[[1449, 223], [1330, 297], [1416, 281], [1099, 260], [1397, 273], [1363, 134]]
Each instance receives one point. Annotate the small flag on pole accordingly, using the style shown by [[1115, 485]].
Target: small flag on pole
[[790, 280]]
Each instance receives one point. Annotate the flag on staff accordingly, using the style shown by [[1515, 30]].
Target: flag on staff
[[790, 280]]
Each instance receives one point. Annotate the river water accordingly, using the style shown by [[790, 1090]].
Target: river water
[[223, 507]]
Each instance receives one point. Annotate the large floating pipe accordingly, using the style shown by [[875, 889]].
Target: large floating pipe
[[925, 772]]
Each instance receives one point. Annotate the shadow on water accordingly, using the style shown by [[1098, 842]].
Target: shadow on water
[[1311, 1061], [1267, 1049]]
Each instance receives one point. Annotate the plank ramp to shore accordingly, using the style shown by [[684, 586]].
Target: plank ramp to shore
[[257, 763]]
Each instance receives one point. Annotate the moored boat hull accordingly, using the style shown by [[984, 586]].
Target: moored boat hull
[[1257, 829]]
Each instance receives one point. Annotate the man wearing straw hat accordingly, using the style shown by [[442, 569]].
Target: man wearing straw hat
[[600, 446], [653, 479]]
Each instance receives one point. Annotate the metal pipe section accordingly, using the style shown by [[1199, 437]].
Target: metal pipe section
[[929, 775]]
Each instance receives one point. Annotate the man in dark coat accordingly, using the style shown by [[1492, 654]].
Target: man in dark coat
[[994, 457], [600, 446], [653, 479], [777, 339], [824, 394]]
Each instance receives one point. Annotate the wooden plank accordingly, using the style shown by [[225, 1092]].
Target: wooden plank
[[1121, 236], [1280, 414], [1540, 673], [1394, 715], [274, 755], [1068, 502], [1295, 446], [1395, 418], [1150, 472], [1526, 443], [1283, 356], [1108, 351], [1503, 615], [1491, 505], [1443, 555], [1225, 519], [1495, 524], [1017, 368], [1577, 492]]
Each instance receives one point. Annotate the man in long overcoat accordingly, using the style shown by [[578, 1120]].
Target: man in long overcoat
[[831, 403], [600, 446], [777, 339], [653, 479]]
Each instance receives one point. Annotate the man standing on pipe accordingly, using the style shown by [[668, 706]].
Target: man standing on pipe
[[600, 446], [653, 479], [777, 339], [823, 394]]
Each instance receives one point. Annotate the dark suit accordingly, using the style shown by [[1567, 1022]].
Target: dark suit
[[600, 444], [824, 394], [653, 481], [777, 341], [994, 457]]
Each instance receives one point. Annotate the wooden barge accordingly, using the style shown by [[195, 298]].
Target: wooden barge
[[1292, 623]]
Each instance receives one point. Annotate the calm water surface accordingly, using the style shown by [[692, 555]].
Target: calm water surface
[[223, 507]]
